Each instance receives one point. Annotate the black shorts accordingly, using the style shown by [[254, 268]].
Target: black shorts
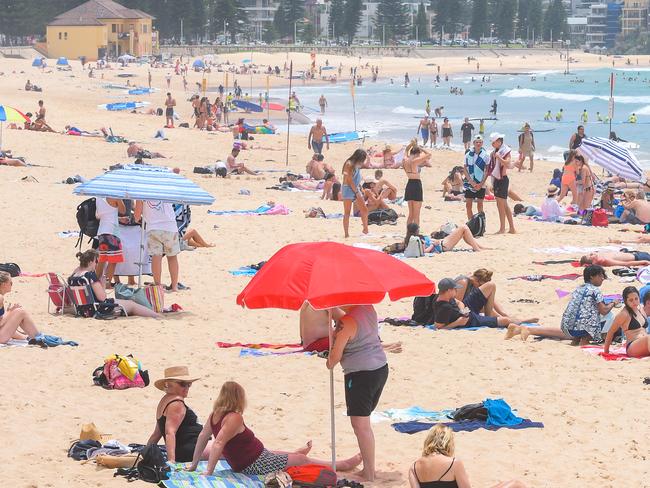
[[363, 389], [169, 112], [500, 187], [413, 191], [476, 320], [478, 195], [475, 300]]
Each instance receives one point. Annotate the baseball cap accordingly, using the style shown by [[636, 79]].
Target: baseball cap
[[496, 136], [447, 284], [478, 137]]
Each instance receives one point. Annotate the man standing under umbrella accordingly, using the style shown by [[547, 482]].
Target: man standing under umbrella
[[359, 350], [162, 238]]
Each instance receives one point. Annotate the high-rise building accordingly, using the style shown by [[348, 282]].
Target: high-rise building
[[597, 25], [260, 15], [634, 17]]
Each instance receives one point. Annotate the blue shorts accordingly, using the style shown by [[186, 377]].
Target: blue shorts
[[348, 193], [425, 134], [641, 256], [476, 320], [317, 147]]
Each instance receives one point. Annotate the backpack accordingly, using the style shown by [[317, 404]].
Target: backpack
[[599, 218], [12, 268], [423, 312], [87, 220], [382, 216], [414, 248], [312, 476], [477, 224], [473, 411], [150, 466]]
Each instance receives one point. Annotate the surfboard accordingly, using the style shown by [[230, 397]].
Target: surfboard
[[122, 106], [247, 106], [348, 136], [274, 106], [140, 91]]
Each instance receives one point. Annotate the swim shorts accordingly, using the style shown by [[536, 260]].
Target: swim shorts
[[363, 389], [476, 320], [161, 242], [169, 112], [413, 191], [267, 462], [317, 147], [641, 256], [110, 249], [478, 195], [500, 187], [475, 300]]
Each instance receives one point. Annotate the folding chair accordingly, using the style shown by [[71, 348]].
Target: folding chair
[[58, 297], [85, 303]]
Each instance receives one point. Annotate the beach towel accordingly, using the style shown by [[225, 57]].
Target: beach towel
[[540, 277], [53, 341], [615, 353], [25, 274], [261, 210], [410, 414], [575, 249], [500, 414], [223, 477], [243, 271], [261, 345], [561, 261], [247, 352], [15, 343], [464, 426]]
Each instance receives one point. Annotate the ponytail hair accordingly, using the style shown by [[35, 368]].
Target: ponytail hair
[[87, 257]]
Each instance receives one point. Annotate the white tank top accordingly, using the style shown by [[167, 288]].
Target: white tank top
[[107, 215]]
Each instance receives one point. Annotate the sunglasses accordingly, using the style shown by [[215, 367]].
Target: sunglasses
[[184, 384]]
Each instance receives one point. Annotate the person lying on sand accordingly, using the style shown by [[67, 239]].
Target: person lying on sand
[[581, 322], [245, 453], [176, 422], [642, 239], [441, 241], [6, 160], [620, 258], [84, 275], [439, 467], [632, 321], [15, 321], [75, 131], [136, 151]]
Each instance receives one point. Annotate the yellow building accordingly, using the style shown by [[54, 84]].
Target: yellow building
[[98, 28], [634, 17]]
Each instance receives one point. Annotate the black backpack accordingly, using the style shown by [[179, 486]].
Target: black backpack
[[382, 216], [12, 268], [87, 220], [423, 312], [473, 411], [150, 466], [477, 224]]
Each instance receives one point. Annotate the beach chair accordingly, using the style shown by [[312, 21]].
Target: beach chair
[[58, 296], [85, 304]]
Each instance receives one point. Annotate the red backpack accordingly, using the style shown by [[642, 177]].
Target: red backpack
[[312, 476], [599, 218]]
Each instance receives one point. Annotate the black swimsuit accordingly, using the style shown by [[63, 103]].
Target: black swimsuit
[[439, 483], [634, 325], [186, 435]]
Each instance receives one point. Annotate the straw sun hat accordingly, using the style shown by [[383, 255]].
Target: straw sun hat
[[175, 373], [552, 191], [91, 432]]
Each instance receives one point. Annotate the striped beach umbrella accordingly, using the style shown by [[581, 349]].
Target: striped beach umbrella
[[615, 158], [139, 182]]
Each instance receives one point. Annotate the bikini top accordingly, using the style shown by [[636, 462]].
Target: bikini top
[[634, 324], [438, 483]]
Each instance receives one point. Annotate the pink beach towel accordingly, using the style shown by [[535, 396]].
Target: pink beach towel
[[263, 345], [615, 353]]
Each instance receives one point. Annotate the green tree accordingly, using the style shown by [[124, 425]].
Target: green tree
[[308, 33], [392, 18], [352, 18], [270, 34], [523, 29], [448, 14], [535, 18], [336, 18], [505, 19], [232, 14], [479, 26], [555, 23], [422, 24]]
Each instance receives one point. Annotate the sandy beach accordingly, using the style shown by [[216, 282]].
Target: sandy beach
[[595, 423]]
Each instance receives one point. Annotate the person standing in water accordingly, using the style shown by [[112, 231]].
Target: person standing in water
[[499, 166], [427, 107], [584, 117], [407, 80], [351, 190], [493, 109], [526, 147], [416, 157], [322, 102], [423, 129]]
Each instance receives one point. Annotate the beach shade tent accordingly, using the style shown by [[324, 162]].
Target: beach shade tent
[[198, 64], [62, 61], [615, 158], [140, 182], [328, 275], [126, 58], [246, 61], [10, 114], [38, 62]]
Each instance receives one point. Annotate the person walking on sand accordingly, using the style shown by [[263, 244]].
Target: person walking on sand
[[466, 130], [168, 77], [526, 147], [499, 166], [416, 157], [475, 169], [352, 192], [322, 102], [316, 135], [170, 103]]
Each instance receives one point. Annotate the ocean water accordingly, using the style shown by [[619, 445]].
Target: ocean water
[[391, 110]]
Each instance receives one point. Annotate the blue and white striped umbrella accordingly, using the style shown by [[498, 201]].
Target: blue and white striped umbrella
[[138, 182], [615, 158]]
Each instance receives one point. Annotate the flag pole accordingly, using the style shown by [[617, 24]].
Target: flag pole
[[289, 109], [611, 102], [354, 106]]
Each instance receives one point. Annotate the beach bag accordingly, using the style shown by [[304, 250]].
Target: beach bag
[[12, 268], [152, 467], [414, 249], [79, 449], [121, 372], [221, 171], [159, 111], [312, 475], [423, 311], [87, 220], [477, 224], [382, 216], [599, 218]]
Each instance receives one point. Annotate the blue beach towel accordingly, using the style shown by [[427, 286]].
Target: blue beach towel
[[223, 477], [464, 426], [243, 271], [500, 414]]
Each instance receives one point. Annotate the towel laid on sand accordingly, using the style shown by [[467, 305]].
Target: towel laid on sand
[[243, 271], [14, 343], [464, 426], [223, 477], [540, 277], [261, 210], [53, 341], [410, 414], [249, 352], [574, 249], [615, 353], [260, 345]]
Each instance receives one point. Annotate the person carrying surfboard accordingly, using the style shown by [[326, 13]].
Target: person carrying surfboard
[[315, 137]]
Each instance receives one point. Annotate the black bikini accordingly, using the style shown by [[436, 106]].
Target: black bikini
[[634, 325], [439, 483]]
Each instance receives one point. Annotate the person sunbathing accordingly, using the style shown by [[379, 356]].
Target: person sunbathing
[[642, 239], [619, 258], [75, 131], [15, 321], [439, 468], [383, 188], [443, 242], [235, 442], [9, 161], [84, 275], [632, 321], [317, 169], [581, 320], [637, 210], [194, 239], [136, 151]]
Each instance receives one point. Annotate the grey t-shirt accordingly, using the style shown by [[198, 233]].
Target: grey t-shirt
[[364, 351]]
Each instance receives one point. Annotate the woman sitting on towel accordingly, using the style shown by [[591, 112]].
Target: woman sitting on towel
[[439, 468], [175, 421], [235, 442], [85, 275], [15, 322], [441, 241], [632, 321]]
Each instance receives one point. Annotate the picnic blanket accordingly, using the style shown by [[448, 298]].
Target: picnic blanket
[[410, 414], [261, 210], [223, 477], [464, 426], [260, 345], [615, 353]]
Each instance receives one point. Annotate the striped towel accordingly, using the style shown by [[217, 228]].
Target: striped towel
[[223, 477]]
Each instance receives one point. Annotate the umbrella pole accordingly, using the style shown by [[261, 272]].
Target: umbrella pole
[[141, 253], [332, 420]]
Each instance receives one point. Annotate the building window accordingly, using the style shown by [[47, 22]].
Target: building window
[[113, 28], [65, 36], [144, 28], [59, 36], [130, 26]]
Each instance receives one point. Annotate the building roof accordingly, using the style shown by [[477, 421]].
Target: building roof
[[91, 12]]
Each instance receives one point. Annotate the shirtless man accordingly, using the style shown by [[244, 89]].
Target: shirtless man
[[235, 167], [423, 130], [136, 151], [384, 188], [637, 210], [322, 102], [315, 137], [373, 201], [170, 103], [39, 123], [620, 258], [317, 169]]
